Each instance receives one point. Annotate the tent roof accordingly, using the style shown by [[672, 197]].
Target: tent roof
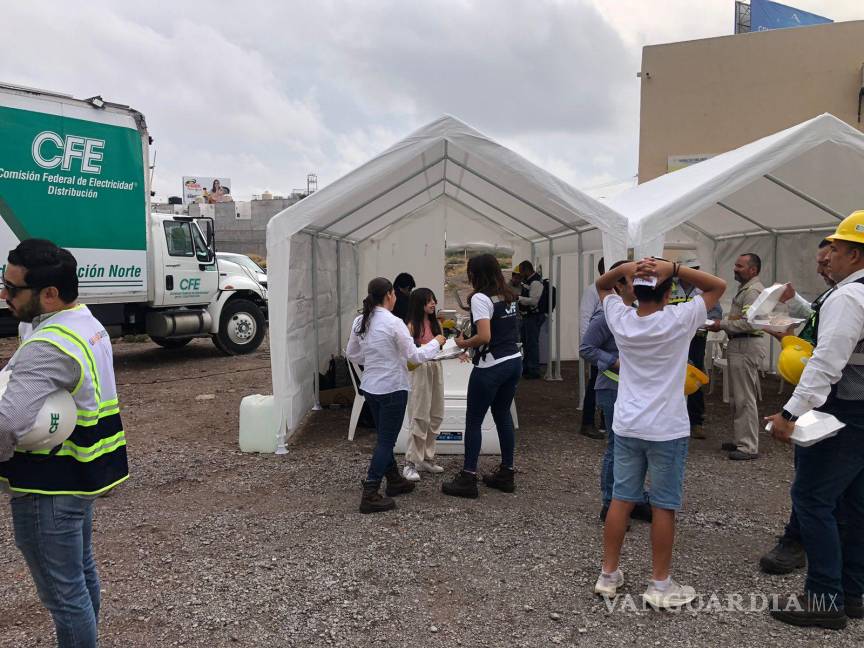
[[447, 157], [806, 177]]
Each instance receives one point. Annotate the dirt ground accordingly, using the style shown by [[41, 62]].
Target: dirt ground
[[206, 546]]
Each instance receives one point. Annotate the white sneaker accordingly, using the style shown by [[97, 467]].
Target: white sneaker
[[410, 473], [675, 595], [608, 587], [430, 467]]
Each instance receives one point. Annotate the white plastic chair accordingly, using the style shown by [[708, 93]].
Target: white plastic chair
[[359, 399]]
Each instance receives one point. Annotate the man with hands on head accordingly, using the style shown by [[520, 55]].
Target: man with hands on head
[[650, 422]]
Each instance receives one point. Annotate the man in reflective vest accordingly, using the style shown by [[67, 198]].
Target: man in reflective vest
[[788, 555], [682, 292], [831, 471], [53, 490]]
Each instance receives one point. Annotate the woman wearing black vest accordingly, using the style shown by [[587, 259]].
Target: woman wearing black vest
[[496, 373]]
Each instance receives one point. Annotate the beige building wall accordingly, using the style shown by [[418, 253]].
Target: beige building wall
[[710, 96]]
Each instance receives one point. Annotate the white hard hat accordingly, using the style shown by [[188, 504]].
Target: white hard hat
[[54, 423], [691, 262]]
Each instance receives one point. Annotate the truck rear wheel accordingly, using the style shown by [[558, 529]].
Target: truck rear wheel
[[171, 343], [241, 328]]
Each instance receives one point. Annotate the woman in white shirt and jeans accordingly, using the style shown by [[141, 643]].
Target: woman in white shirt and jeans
[[496, 373], [381, 343]]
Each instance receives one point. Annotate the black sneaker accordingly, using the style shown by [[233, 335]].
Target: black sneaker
[[642, 511], [463, 485], [809, 611], [786, 556], [854, 607], [502, 479], [591, 432], [728, 446], [396, 483], [739, 455], [604, 511], [373, 501]]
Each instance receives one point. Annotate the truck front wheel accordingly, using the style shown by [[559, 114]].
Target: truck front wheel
[[241, 328]]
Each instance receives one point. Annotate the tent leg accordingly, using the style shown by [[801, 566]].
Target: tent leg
[[338, 297], [549, 319], [581, 279], [556, 373], [315, 365]]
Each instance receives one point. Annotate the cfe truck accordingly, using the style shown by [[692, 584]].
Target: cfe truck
[[76, 172]]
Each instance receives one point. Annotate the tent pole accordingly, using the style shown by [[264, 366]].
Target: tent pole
[[315, 365], [773, 281], [549, 323], [338, 297], [579, 289], [397, 205], [556, 374], [803, 196], [381, 195]]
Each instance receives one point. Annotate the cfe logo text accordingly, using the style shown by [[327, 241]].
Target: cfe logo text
[[50, 151]]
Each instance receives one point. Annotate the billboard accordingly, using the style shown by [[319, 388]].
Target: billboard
[[765, 15], [206, 189]]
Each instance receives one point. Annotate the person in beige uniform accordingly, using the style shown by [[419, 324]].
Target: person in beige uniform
[[744, 354]]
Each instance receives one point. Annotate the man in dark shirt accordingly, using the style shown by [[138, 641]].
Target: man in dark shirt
[[403, 284]]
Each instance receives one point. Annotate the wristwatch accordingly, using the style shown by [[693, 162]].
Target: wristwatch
[[788, 416]]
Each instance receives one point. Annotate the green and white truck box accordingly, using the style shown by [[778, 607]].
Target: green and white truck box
[[76, 172]]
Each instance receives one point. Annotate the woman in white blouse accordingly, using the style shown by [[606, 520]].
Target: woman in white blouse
[[382, 344]]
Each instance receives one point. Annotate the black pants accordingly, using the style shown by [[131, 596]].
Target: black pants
[[696, 400], [589, 403]]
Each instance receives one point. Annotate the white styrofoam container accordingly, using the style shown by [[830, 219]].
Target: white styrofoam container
[[260, 419]]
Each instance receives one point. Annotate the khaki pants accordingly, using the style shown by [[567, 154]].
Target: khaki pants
[[426, 411], [745, 357]]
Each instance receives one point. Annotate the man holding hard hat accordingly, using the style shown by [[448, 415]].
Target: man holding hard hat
[[53, 488], [831, 470]]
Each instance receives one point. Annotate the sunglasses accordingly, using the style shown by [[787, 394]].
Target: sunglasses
[[11, 288]]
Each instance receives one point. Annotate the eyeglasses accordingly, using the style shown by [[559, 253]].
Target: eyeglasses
[[11, 288]]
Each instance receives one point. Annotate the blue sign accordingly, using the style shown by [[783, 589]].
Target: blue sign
[[765, 15]]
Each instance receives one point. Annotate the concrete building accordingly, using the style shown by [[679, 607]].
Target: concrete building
[[242, 226], [704, 97]]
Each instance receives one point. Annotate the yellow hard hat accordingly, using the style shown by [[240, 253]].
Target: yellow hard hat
[[793, 358], [850, 228], [694, 380]]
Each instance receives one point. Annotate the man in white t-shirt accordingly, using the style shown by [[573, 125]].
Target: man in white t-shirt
[[651, 425]]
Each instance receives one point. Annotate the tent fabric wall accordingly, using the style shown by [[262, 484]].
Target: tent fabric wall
[[445, 167]]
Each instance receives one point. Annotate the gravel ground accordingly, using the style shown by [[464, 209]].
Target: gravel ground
[[206, 546]]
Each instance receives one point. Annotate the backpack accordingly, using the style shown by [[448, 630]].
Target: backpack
[[543, 304]]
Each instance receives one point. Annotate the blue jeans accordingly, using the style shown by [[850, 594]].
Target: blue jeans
[[828, 473], [492, 387], [606, 401], [531, 341], [54, 533], [662, 461], [388, 412]]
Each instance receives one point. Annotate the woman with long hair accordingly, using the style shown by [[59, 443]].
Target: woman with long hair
[[381, 343], [496, 373], [426, 403]]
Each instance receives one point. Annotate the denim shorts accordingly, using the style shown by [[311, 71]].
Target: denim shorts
[[663, 463]]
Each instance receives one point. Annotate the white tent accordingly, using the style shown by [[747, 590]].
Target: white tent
[[776, 196], [392, 214]]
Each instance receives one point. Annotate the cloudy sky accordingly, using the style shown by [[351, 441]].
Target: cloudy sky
[[265, 92]]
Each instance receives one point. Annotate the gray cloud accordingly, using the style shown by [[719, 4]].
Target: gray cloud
[[265, 92]]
